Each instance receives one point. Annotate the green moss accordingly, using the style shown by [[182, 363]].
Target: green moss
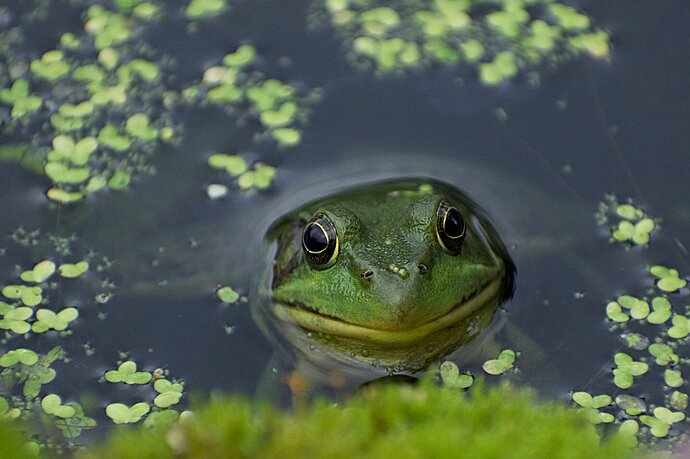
[[389, 421]]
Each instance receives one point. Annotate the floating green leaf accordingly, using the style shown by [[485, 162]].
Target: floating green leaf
[[668, 279], [286, 137], [639, 309], [679, 400], [667, 415], [60, 173], [615, 312], [200, 9], [37, 375], [233, 164], [664, 354], [123, 414], [51, 66], [500, 365], [15, 319], [128, 374], [673, 378], [623, 376], [52, 404], [586, 400], [111, 137], [30, 296], [680, 328], [138, 126], [633, 406], [72, 427], [628, 430], [657, 427], [161, 419], [635, 341], [260, 178], [590, 406], [15, 356], [451, 377], [168, 393], [228, 295], [47, 319], [64, 197], [71, 271], [18, 96], [41, 272], [661, 310], [244, 55]]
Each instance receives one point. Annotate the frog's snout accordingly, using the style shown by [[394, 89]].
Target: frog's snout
[[402, 272], [399, 271]]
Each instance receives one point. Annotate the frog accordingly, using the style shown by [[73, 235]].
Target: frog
[[391, 275]]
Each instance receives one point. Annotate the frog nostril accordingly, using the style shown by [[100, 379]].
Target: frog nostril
[[422, 268], [368, 274]]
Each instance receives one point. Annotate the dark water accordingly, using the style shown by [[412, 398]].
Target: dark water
[[590, 128]]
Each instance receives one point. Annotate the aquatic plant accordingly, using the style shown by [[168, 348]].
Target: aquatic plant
[[239, 87], [101, 97], [497, 38], [645, 328]]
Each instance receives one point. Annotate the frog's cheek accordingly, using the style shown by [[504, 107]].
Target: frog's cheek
[[311, 321]]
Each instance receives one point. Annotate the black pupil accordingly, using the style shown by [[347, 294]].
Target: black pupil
[[454, 225], [315, 239]]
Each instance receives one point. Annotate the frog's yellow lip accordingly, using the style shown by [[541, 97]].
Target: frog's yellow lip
[[311, 320]]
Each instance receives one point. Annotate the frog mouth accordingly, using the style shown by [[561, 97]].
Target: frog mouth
[[311, 320]]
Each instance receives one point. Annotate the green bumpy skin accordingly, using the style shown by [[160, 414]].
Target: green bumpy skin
[[394, 295]]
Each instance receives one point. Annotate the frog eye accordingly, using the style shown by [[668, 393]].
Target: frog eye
[[450, 228], [320, 242]]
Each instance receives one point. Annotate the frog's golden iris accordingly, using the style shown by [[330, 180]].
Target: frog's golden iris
[[396, 273]]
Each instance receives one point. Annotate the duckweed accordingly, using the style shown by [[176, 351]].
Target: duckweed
[[590, 406], [668, 279], [23, 371], [30, 296], [664, 354], [73, 270], [498, 38], [123, 414], [627, 368], [52, 404], [635, 226], [239, 87], [168, 393], [227, 295], [632, 406], [680, 328], [673, 378], [72, 426], [679, 400], [201, 9], [232, 164], [661, 311], [259, 177], [20, 355], [500, 365], [18, 96], [85, 147], [49, 320], [451, 377], [662, 421], [15, 319], [127, 373]]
